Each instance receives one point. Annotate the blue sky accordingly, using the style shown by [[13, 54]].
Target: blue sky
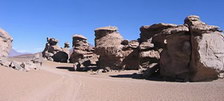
[[31, 21]]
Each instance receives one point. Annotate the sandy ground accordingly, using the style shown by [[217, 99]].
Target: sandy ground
[[56, 82]]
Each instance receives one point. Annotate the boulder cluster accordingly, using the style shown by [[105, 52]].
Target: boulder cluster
[[6, 46], [189, 52], [55, 53]]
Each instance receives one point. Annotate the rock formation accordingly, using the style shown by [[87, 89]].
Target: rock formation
[[207, 58], [5, 47], [130, 52], [5, 43], [53, 52], [108, 46], [189, 52], [83, 55], [151, 44], [115, 52]]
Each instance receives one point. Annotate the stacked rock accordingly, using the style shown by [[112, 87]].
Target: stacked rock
[[53, 52], [108, 46], [152, 42], [115, 52], [82, 55]]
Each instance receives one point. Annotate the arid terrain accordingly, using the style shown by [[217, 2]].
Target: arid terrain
[[57, 82], [168, 62]]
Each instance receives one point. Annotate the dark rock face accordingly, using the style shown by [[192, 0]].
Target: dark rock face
[[53, 52], [60, 57], [176, 55], [5, 43], [130, 60], [151, 44]]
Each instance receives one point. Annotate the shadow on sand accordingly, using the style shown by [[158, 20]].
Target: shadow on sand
[[154, 77], [66, 68], [138, 76]]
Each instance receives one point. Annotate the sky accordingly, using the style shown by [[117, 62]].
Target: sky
[[30, 22]]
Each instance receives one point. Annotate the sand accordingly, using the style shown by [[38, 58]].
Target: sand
[[56, 82]]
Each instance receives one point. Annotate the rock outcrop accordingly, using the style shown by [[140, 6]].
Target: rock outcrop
[[207, 58], [130, 52], [115, 52], [189, 52], [108, 46], [176, 55], [53, 52], [83, 54], [5, 47], [151, 44], [5, 43]]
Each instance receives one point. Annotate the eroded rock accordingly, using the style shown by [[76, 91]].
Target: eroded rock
[[189, 52], [108, 46], [207, 50], [5, 43], [83, 55], [53, 52]]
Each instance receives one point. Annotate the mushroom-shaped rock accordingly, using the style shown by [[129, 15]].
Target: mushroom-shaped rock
[[108, 45]]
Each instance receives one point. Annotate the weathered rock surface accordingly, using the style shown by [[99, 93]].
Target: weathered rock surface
[[207, 50], [176, 55], [33, 64], [108, 46], [151, 44], [130, 59], [115, 52], [53, 52], [83, 54], [189, 52], [5, 43]]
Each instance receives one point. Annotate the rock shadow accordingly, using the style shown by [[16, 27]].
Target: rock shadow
[[155, 77], [66, 68]]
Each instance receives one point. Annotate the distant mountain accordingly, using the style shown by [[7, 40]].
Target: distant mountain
[[13, 53]]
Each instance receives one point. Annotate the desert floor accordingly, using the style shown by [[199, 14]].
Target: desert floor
[[56, 82]]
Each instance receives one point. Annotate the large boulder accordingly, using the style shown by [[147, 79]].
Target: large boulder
[[189, 52], [108, 46], [5, 43], [207, 58]]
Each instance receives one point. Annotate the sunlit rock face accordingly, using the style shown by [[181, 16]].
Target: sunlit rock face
[[207, 58], [193, 51], [5, 43], [115, 52], [83, 54], [108, 46]]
